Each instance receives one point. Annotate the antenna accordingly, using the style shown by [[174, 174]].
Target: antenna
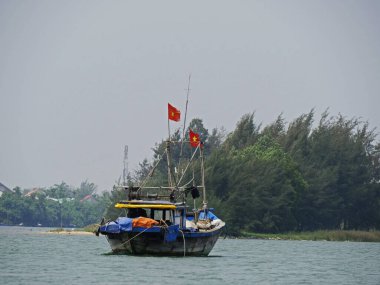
[[125, 169]]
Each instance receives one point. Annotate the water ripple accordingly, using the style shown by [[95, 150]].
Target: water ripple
[[29, 257]]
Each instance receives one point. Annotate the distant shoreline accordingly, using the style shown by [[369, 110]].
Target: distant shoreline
[[322, 235]]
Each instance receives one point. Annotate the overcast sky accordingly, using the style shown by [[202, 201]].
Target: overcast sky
[[81, 79]]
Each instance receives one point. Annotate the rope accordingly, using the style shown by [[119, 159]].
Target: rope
[[134, 236], [184, 243], [187, 166], [165, 226]]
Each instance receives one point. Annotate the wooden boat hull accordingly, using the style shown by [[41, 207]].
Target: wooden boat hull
[[153, 243]]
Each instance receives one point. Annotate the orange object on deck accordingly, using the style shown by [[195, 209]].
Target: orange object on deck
[[144, 222]]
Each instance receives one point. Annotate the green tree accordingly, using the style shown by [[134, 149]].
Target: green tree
[[246, 133]]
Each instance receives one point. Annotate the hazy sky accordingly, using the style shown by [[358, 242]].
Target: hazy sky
[[81, 79]]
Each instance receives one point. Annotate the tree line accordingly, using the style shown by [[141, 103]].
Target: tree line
[[299, 176], [58, 206]]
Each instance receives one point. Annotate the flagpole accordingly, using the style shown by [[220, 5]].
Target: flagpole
[[169, 129], [173, 114], [203, 177], [168, 155]]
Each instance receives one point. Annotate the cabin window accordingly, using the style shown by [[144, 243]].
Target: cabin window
[[155, 214], [158, 215], [178, 217], [169, 216], [138, 212], [165, 215]]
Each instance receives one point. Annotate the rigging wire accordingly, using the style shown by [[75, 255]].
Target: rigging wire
[[150, 173]]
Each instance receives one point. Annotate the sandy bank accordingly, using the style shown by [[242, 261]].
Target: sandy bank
[[73, 233]]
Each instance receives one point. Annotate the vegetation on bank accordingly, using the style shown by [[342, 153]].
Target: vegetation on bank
[[294, 177], [58, 206], [338, 235]]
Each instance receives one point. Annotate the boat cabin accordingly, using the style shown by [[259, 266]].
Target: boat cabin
[[160, 211]]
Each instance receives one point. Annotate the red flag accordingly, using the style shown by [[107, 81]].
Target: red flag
[[173, 113], [194, 139]]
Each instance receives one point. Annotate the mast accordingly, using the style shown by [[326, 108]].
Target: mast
[[203, 177], [184, 121], [125, 169], [184, 127], [171, 177], [168, 156]]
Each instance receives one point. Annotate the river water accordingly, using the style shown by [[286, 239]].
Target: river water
[[30, 256]]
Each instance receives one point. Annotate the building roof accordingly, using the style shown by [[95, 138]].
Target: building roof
[[33, 191], [4, 188]]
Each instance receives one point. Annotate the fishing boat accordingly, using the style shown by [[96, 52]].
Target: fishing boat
[[158, 219]]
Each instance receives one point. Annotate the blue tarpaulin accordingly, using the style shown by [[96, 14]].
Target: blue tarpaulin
[[125, 224], [121, 224], [209, 215], [110, 227]]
